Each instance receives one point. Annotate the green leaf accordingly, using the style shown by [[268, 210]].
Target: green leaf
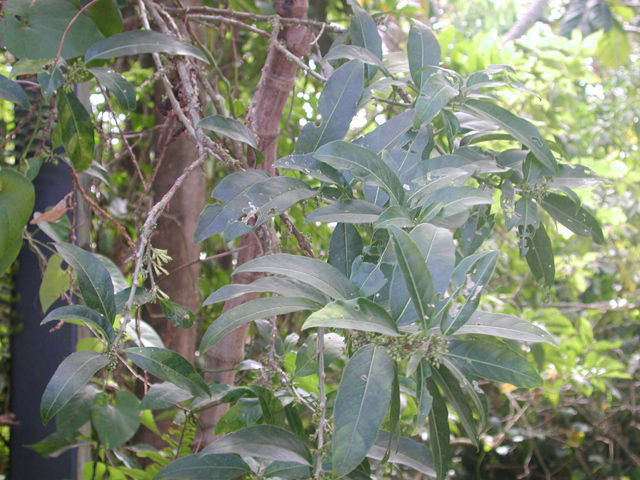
[[385, 136], [164, 395], [281, 286], [519, 128], [141, 297], [613, 47], [79, 314], [17, 199], [76, 130], [247, 194], [358, 314], [457, 200], [367, 276], [423, 50], [117, 423], [287, 471], [493, 361], [320, 275], [176, 314], [573, 216], [12, 91], [435, 94], [476, 279], [121, 89], [540, 256], [307, 356], [505, 326], [437, 248], [346, 211], [169, 366], [472, 390], [337, 105], [363, 164], [308, 165], [204, 467], [345, 245], [137, 42], [363, 398], [33, 29], [262, 441], [93, 279], [55, 281], [71, 375], [438, 431], [249, 311], [77, 411], [106, 16], [449, 385], [414, 272], [424, 399], [229, 127], [404, 451], [364, 33], [353, 52]]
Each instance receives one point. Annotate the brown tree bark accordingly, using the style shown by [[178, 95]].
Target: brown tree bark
[[263, 118]]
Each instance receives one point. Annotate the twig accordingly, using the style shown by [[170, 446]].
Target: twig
[[302, 242]]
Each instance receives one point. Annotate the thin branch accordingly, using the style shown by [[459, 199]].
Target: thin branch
[[71, 22]]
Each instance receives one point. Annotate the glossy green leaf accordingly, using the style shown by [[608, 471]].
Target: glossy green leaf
[[414, 271], [33, 29], [140, 297], [143, 334], [450, 387], [169, 366], [17, 199], [476, 279], [262, 441], [337, 105], [435, 94], [470, 388], [164, 395], [287, 471], [176, 314], [423, 398], [363, 164], [404, 451], [363, 398], [136, 42], [358, 314], [573, 216], [9, 255], [308, 165], [519, 128], [353, 52], [250, 311], [93, 279], [457, 200], [307, 356], [505, 326], [80, 315], [76, 130], [229, 127], [77, 411], [345, 245], [106, 16], [281, 286], [117, 423], [204, 467], [540, 256], [493, 361], [396, 216], [12, 91], [119, 87], [247, 194], [385, 136], [438, 431], [55, 281], [367, 277], [438, 250], [320, 275], [423, 50], [364, 34], [346, 211], [71, 375]]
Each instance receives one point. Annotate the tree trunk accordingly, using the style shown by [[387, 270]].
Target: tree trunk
[[264, 116], [526, 21]]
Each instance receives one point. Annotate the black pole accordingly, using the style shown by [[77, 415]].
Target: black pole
[[36, 352]]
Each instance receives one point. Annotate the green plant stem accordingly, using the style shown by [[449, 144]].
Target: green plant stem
[[322, 404]]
